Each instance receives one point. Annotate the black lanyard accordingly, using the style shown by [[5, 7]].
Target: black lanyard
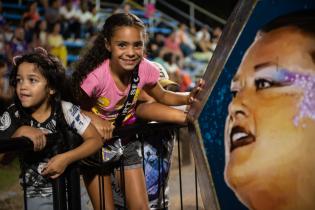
[[132, 92]]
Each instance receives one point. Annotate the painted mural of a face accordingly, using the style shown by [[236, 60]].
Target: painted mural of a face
[[270, 127]]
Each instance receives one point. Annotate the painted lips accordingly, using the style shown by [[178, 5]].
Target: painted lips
[[239, 137]]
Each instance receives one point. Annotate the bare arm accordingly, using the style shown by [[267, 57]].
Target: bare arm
[[167, 97], [162, 113], [173, 98], [36, 135], [104, 127], [92, 143]]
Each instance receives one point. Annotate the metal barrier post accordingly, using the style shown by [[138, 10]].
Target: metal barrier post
[[73, 188], [180, 173], [59, 193]]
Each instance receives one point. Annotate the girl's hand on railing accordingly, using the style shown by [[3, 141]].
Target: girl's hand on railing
[[55, 166], [104, 127], [36, 135], [192, 95]]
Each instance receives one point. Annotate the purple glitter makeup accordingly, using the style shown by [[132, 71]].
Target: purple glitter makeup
[[282, 76], [307, 103], [304, 81]]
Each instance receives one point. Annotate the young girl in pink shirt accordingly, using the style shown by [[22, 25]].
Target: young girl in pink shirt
[[103, 78]]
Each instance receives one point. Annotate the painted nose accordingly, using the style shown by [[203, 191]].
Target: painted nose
[[238, 108]]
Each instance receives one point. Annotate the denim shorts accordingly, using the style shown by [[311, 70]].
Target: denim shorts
[[131, 158]]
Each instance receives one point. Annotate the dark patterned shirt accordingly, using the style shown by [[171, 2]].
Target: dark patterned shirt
[[34, 162]]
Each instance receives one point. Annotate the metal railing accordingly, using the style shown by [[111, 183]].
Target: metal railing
[[66, 188]]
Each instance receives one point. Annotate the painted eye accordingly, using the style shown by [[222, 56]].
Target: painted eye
[[262, 84]]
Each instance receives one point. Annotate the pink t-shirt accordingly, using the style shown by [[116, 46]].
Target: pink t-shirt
[[99, 84]]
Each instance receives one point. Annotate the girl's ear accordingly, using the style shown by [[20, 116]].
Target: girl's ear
[[52, 91], [107, 45]]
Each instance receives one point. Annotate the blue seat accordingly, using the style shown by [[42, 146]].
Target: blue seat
[[72, 58], [12, 16], [137, 12], [13, 6], [74, 44], [18, 6], [159, 30]]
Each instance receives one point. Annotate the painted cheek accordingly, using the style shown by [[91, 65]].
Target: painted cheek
[[305, 82], [307, 103]]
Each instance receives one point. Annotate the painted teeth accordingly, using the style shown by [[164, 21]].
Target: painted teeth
[[238, 136]]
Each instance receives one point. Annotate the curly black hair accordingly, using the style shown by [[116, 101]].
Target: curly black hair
[[49, 66], [96, 55], [54, 72]]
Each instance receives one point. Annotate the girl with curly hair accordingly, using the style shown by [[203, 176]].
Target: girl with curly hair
[[105, 76], [39, 108]]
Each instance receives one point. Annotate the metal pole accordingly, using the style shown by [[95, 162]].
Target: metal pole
[[192, 15], [59, 193], [180, 173], [73, 188]]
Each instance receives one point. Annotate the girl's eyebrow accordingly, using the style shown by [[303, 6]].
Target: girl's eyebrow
[[29, 75], [261, 66], [33, 75], [123, 41]]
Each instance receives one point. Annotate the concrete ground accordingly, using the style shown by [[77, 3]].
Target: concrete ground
[[188, 178]]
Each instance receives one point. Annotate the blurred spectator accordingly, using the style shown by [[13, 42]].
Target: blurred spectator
[[125, 7], [52, 14], [40, 38], [96, 18], [155, 45], [203, 39], [187, 45], [6, 96], [7, 32], [28, 26], [75, 3], [6, 92], [149, 11], [149, 8], [44, 3], [2, 19], [2, 36], [175, 72], [216, 36], [85, 19], [71, 20], [172, 44], [32, 12], [17, 45], [56, 44], [2, 44]]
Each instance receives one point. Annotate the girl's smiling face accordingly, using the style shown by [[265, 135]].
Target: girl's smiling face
[[126, 47], [269, 139]]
